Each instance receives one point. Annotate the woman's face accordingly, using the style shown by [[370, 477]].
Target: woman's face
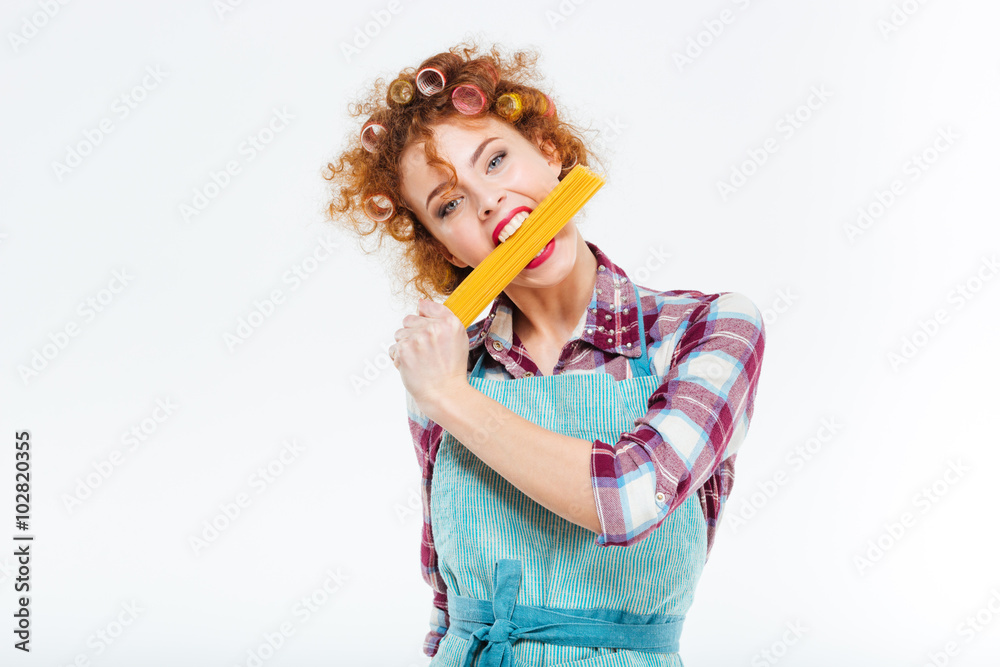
[[498, 172]]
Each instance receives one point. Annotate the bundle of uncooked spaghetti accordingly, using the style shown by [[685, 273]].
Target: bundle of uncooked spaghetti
[[508, 259]]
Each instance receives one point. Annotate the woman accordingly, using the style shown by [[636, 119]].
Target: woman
[[577, 444]]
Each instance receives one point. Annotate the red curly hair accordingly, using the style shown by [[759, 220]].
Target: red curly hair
[[360, 173]]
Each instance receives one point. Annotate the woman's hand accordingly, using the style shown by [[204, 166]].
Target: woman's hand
[[431, 353]]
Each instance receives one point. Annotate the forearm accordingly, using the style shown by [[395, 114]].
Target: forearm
[[550, 468]]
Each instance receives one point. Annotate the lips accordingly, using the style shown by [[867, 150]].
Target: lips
[[503, 223]]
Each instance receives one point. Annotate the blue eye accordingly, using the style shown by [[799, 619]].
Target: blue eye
[[445, 210]]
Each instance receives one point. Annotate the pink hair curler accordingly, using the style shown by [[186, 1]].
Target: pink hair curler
[[469, 99], [551, 108], [492, 72]]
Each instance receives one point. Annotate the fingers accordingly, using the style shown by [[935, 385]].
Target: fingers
[[429, 312], [438, 311], [433, 308], [411, 325]]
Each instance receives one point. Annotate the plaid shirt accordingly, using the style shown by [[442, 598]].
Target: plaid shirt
[[707, 348]]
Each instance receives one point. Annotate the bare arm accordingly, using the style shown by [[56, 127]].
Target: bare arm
[[550, 468]]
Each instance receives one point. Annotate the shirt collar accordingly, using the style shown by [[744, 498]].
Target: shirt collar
[[610, 322]]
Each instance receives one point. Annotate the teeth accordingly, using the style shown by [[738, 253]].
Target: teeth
[[512, 226]]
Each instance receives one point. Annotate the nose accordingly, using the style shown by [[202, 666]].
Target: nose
[[490, 200]]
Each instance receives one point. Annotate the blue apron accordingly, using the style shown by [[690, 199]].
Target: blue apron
[[527, 587]]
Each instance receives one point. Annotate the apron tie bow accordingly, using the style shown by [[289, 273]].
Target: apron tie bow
[[500, 631]]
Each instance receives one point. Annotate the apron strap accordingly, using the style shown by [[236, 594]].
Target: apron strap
[[640, 366], [477, 370]]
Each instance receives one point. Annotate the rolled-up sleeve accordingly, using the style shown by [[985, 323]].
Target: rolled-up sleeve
[[426, 438], [697, 417]]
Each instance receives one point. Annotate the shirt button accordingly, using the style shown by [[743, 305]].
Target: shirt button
[[607, 317], [609, 340], [600, 268], [497, 345], [625, 311], [598, 290], [660, 497], [528, 374], [628, 344], [590, 331], [593, 310]]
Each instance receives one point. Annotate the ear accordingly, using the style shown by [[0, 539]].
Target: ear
[[450, 257], [552, 156]]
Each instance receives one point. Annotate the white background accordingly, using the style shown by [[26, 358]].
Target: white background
[[836, 308]]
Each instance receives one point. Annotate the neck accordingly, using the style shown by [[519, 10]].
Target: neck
[[551, 313]]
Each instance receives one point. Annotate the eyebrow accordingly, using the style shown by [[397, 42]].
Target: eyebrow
[[472, 163]]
